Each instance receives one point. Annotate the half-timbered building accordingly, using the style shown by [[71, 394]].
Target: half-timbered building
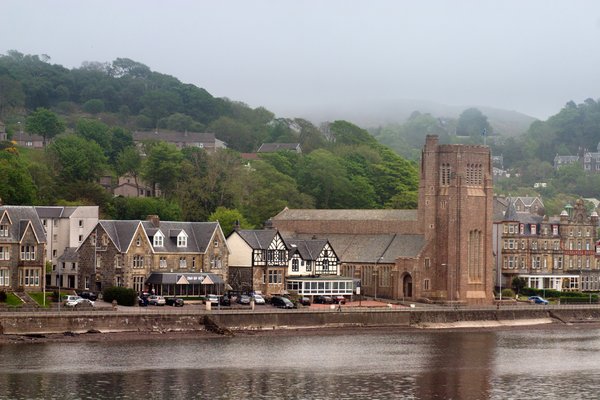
[[258, 261], [313, 269]]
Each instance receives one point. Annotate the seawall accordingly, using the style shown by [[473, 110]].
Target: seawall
[[20, 323]]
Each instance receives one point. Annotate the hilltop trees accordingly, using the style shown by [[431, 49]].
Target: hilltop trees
[[472, 122], [101, 103]]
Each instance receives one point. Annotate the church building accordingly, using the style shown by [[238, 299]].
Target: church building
[[441, 252]]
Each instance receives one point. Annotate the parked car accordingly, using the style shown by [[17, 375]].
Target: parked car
[[155, 300], [323, 300], [212, 298], [281, 302], [77, 301], [538, 300], [70, 298], [89, 295], [258, 299], [244, 299], [339, 299], [305, 301], [174, 301], [142, 301], [225, 301]]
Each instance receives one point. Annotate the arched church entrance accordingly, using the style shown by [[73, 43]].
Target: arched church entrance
[[407, 286]]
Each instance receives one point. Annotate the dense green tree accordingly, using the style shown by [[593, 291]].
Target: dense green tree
[[120, 139], [45, 123], [162, 167], [77, 159], [228, 218], [95, 130], [264, 192], [93, 106], [129, 161], [472, 122], [11, 95], [141, 207], [16, 185], [209, 181], [323, 176]]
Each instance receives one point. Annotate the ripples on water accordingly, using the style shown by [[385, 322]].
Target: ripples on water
[[544, 363]]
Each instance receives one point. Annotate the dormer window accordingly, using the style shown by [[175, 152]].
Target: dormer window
[[159, 240], [4, 230], [182, 239]]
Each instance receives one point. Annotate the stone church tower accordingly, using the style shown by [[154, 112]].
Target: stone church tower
[[455, 213]]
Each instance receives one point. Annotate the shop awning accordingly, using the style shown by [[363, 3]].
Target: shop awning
[[174, 278]]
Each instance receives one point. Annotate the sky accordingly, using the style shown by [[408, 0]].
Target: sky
[[531, 56]]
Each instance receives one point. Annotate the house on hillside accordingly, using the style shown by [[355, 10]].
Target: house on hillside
[[29, 140], [165, 256], [561, 161], [274, 147], [203, 140], [22, 248], [127, 187]]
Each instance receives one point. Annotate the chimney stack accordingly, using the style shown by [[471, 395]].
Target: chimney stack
[[154, 219]]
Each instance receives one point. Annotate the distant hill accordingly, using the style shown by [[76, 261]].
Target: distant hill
[[381, 113]]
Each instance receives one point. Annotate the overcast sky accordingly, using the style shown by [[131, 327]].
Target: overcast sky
[[528, 56]]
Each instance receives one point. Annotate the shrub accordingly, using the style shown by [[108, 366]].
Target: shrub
[[123, 296], [508, 293], [3, 296]]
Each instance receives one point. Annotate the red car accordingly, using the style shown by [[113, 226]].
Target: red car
[[339, 299]]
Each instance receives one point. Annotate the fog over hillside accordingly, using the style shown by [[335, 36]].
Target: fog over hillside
[[380, 113]]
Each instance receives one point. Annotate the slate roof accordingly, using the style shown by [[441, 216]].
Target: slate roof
[[199, 234], [273, 147], [69, 255], [258, 239], [308, 250], [382, 248], [346, 215], [55, 211], [20, 216]]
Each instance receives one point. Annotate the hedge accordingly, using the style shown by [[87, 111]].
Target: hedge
[[567, 297], [123, 296]]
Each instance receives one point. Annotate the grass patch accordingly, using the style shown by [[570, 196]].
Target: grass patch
[[12, 300], [39, 298]]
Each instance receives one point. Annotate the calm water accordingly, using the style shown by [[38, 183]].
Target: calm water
[[549, 363]]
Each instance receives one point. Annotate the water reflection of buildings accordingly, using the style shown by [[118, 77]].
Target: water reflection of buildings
[[460, 366]]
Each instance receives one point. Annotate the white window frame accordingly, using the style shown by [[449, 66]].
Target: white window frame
[[182, 239], [158, 240]]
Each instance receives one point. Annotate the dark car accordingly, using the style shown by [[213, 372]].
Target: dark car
[[225, 301], [89, 295], [281, 302], [323, 300], [174, 301], [339, 299], [142, 301], [305, 301]]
